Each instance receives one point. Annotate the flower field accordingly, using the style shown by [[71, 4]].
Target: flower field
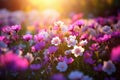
[[37, 48]]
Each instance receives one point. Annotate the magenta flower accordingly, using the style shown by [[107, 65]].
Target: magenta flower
[[7, 29], [84, 36], [2, 38], [11, 61], [16, 27], [104, 38], [27, 37], [65, 59], [115, 54], [94, 46]]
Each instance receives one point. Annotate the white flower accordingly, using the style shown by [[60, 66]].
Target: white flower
[[78, 51], [83, 42], [86, 78], [71, 41], [108, 67], [59, 23], [62, 66], [45, 34], [75, 75], [56, 41], [30, 57]]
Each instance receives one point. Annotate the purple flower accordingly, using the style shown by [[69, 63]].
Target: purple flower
[[109, 67], [98, 67], [35, 66], [94, 46], [62, 66], [111, 78], [57, 77], [38, 46], [65, 59], [27, 37], [52, 49], [88, 58], [68, 60]]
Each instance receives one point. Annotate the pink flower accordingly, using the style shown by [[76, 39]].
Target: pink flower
[[56, 41], [78, 51], [11, 61], [115, 54], [27, 37]]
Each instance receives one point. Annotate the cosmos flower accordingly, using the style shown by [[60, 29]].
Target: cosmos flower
[[38, 46], [44, 34], [86, 78], [78, 51], [2, 38], [106, 29], [75, 75], [94, 46], [29, 57], [98, 67], [115, 54], [58, 76], [84, 36], [108, 67], [59, 23], [71, 41], [11, 61], [56, 41], [7, 29], [67, 52], [62, 66], [52, 49], [66, 59], [88, 58], [27, 37], [16, 27], [83, 42], [35, 66]]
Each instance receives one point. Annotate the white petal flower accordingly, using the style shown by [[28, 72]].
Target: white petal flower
[[30, 57], [78, 51], [83, 42], [71, 41], [108, 67], [56, 41], [62, 66]]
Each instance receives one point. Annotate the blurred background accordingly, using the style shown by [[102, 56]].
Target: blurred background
[[90, 8]]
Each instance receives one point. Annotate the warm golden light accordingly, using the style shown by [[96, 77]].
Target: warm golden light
[[46, 4]]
